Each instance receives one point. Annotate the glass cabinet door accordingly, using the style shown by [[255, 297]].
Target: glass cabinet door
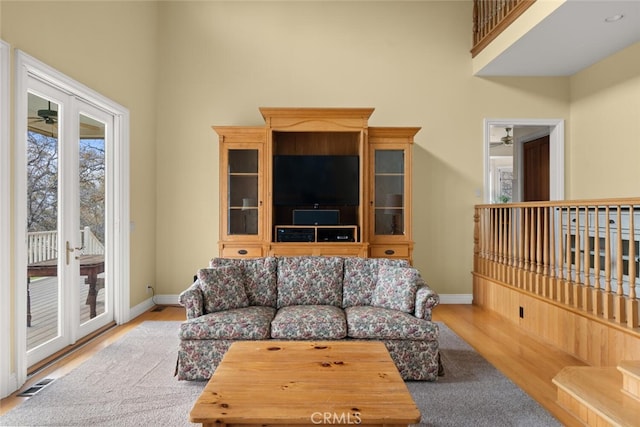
[[242, 192], [389, 192]]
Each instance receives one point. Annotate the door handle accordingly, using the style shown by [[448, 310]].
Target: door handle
[[71, 249]]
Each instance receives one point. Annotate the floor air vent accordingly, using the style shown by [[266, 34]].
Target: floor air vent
[[36, 388], [158, 308]]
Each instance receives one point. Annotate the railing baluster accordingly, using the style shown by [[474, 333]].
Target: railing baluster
[[500, 237], [608, 296], [576, 250], [586, 283], [476, 239], [619, 267], [538, 240], [619, 298], [632, 302], [561, 256], [521, 239], [485, 238], [553, 261], [632, 255], [575, 296], [568, 295], [494, 249], [545, 252], [527, 259], [596, 305]]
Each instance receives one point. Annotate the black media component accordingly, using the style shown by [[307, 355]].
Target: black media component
[[335, 235], [295, 235], [316, 180], [316, 217]]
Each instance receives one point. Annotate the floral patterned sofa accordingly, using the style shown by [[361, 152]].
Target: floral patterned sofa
[[309, 298]]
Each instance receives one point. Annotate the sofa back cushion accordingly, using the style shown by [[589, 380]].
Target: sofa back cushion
[[396, 288], [361, 276], [259, 275], [222, 288], [310, 280]]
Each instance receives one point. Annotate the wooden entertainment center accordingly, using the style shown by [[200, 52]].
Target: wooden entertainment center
[[366, 213]]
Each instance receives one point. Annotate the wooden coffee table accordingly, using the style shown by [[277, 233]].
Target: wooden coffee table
[[263, 383]]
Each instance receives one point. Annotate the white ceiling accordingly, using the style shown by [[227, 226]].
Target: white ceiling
[[572, 38]]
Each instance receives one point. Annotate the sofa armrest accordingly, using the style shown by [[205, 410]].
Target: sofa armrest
[[426, 300], [192, 300]]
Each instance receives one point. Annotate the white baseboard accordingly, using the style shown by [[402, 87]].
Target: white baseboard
[[456, 298], [166, 299], [140, 308]]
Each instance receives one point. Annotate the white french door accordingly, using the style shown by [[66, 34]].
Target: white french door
[[69, 294], [71, 210]]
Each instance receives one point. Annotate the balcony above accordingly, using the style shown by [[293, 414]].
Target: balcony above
[[550, 38]]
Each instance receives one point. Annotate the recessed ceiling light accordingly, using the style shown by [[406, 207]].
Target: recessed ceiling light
[[614, 18]]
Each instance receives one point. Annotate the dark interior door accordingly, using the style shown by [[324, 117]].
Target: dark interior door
[[536, 170]]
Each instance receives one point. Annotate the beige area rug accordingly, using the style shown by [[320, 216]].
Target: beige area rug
[[131, 383]]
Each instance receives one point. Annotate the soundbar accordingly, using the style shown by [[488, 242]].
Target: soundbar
[[316, 217]]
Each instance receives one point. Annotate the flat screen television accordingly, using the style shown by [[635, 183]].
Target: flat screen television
[[316, 180]]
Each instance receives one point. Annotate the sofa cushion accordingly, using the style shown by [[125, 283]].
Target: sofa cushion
[[366, 322], [309, 280], [259, 277], [248, 323], [222, 288], [396, 288], [361, 276], [309, 322]]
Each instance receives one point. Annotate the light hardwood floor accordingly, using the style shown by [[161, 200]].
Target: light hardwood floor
[[526, 361]]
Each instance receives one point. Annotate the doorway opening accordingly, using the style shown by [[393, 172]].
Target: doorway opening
[[523, 160]]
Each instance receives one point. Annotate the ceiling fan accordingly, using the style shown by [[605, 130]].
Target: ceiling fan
[[506, 140], [46, 115], [45, 121]]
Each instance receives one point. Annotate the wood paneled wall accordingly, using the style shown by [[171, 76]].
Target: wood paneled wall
[[576, 332]]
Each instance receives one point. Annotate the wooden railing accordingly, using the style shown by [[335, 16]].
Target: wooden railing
[[43, 245], [583, 254], [491, 17]]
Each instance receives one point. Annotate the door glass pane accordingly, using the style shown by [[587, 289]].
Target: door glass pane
[[389, 192], [242, 197], [43, 289], [91, 167], [501, 165]]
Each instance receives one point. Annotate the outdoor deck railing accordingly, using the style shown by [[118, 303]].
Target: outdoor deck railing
[[583, 254], [43, 245]]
